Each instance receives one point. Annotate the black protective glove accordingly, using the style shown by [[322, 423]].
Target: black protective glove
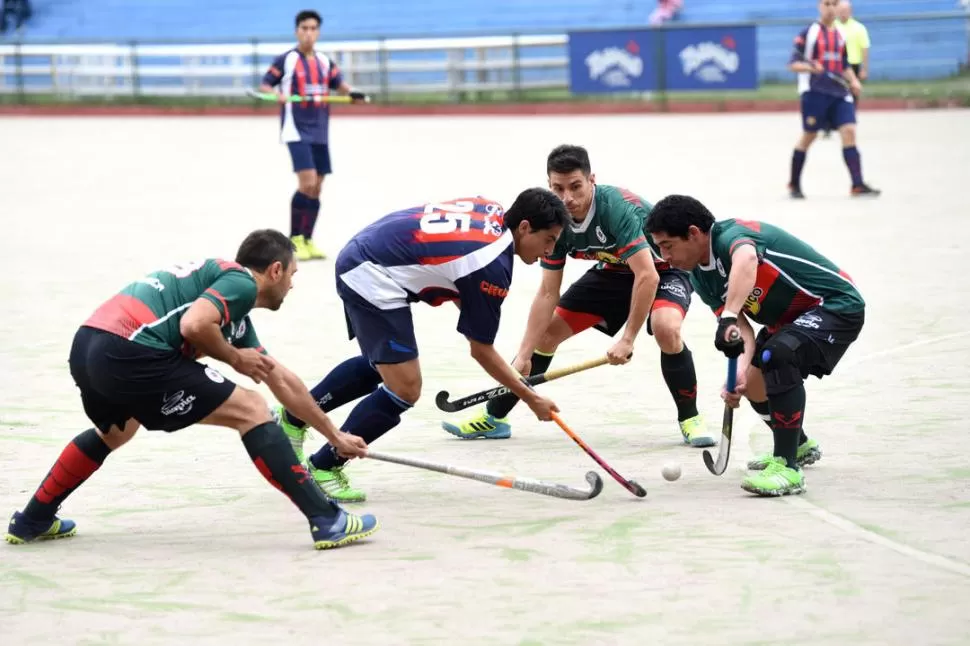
[[728, 339], [357, 95]]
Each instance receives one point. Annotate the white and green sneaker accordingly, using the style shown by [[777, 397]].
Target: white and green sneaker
[[776, 479], [335, 484], [694, 432], [294, 434], [808, 453]]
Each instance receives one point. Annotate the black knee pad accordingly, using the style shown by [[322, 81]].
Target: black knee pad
[[780, 364]]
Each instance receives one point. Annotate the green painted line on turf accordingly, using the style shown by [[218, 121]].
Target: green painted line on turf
[[521, 528], [247, 617], [31, 580], [517, 555]]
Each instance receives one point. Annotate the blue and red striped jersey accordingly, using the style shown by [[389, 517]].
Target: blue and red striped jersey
[[457, 250], [826, 46], [299, 75]]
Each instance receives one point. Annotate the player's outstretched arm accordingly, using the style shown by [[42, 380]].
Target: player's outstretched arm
[[540, 314], [201, 326], [490, 360], [290, 391], [744, 273], [645, 283]]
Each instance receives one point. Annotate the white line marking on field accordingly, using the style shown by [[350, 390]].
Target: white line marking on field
[[846, 525]]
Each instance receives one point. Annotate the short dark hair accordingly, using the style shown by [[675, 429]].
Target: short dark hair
[[567, 158], [263, 247], [307, 14], [675, 214], [539, 207]]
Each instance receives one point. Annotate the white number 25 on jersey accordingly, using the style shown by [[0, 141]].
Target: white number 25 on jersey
[[447, 218]]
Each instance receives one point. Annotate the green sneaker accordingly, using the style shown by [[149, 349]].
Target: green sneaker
[[694, 431], [294, 434], [491, 428], [335, 484], [776, 479], [808, 453]]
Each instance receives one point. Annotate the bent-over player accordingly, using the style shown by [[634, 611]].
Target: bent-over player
[[826, 103], [460, 250], [304, 126], [630, 284], [810, 309], [135, 362]]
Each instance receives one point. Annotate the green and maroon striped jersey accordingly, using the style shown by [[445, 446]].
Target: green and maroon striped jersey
[[149, 311], [610, 233], [792, 276]]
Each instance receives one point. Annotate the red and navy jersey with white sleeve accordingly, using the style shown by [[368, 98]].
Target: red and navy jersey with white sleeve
[[455, 250], [300, 75], [825, 45]]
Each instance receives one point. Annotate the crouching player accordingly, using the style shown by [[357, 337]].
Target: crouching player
[[629, 285], [134, 361], [810, 309], [460, 250]]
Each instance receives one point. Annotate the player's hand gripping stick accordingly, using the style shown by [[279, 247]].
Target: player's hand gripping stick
[[441, 399]]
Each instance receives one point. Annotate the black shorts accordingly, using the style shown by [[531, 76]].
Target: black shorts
[[818, 337], [601, 299], [162, 389]]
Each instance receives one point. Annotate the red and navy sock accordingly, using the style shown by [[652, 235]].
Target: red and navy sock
[[301, 210], [273, 456], [351, 380], [797, 163], [763, 409], [314, 211], [854, 162], [77, 462], [501, 406], [787, 417], [678, 371], [373, 416]]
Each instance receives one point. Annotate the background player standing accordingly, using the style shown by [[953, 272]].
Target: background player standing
[[304, 127], [134, 361], [630, 284], [826, 103], [462, 251], [811, 312]]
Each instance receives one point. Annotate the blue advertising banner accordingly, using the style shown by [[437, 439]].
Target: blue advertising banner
[[711, 58], [612, 61]]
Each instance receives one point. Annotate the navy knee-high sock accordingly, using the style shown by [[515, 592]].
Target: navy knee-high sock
[[312, 219], [301, 208], [854, 163], [351, 380], [373, 416], [797, 163]]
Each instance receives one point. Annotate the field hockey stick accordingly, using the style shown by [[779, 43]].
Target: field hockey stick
[[724, 451], [441, 399], [841, 80], [322, 98], [629, 485], [507, 481]]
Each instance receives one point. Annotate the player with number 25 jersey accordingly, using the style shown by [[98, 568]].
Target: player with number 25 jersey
[[459, 250]]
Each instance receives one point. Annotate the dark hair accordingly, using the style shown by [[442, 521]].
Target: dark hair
[[565, 159], [263, 247], [539, 207], [307, 14], [675, 214]]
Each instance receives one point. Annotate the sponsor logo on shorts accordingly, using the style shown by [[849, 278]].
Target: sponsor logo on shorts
[[177, 404], [808, 320], [493, 290], [675, 288], [214, 375]]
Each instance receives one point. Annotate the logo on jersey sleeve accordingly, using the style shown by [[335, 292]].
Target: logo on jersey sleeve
[[493, 290]]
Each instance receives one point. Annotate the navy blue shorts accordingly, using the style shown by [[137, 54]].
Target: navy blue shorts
[[384, 336], [306, 156], [826, 112]]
